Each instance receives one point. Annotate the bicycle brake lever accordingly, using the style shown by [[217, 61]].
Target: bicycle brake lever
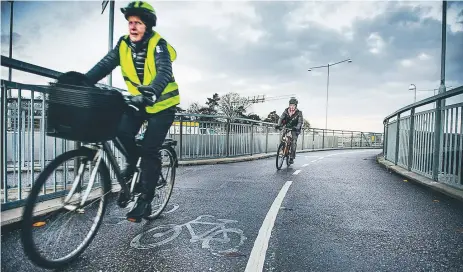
[[137, 109]]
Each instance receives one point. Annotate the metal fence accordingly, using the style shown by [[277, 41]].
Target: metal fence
[[26, 149], [411, 140]]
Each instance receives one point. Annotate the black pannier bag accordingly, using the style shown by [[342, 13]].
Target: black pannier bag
[[84, 114]]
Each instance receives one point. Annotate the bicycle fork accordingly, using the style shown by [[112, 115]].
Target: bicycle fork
[[77, 182], [136, 176]]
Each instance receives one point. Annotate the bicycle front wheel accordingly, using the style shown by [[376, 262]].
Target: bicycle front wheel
[[280, 156], [54, 204], [165, 184]]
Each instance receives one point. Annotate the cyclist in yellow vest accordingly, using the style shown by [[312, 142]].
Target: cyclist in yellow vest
[[146, 64]]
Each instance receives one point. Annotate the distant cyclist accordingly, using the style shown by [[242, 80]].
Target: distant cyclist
[[293, 120]]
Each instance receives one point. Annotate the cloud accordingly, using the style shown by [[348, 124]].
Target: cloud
[[256, 48], [376, 43], [6, 43]]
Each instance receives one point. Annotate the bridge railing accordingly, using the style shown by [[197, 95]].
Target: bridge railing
[[411, 140], [26, 149]]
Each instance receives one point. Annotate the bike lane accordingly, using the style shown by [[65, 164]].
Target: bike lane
[[240, 194], [344, 212]]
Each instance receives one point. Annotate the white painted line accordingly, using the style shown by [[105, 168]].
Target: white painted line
[[257, 257], [296, 172], [305, 165]]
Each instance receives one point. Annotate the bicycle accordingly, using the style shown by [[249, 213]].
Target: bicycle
[[284, 149], [96, 154]]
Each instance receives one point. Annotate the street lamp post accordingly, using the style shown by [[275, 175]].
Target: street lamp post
[[11, 44], [412, 87], [440, 104], [328, 83]]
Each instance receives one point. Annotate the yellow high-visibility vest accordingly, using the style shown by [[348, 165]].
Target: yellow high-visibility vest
[[170, 96]]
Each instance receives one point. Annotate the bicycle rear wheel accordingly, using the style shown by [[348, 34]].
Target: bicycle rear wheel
[[165, 184], [42, 211]]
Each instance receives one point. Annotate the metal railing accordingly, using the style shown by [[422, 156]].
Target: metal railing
[[411, 140], [26, 149]]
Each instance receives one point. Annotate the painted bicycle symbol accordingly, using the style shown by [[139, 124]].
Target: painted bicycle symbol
[[215, 239]]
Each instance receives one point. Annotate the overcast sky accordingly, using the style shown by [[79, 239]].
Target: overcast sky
[[256, 48]]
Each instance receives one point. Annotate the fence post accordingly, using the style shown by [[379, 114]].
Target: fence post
[[361, 139], [438, 130], [3, 139], [313, 139], [323, 139], [352, 140], [410, 139], [181, 138], [227, 138], [252, 138], [333, 146], [266, 139], [397, 139], [302, 139], [386, 126]]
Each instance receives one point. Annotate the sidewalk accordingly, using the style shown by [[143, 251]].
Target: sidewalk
[[438, 186]]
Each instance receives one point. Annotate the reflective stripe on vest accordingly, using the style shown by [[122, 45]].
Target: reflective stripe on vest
[[170, 95]]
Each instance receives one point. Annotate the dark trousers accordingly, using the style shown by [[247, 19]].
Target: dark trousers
[[155, 134], [294, 135]]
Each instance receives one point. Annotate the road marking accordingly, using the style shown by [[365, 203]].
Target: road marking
[[296, 172], [217, 229], [305, 165], [257, 257]]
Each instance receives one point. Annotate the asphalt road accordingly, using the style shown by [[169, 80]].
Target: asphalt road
[[341, 212]]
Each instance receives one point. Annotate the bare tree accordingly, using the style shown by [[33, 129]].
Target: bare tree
[[193, 108], [233, 105]]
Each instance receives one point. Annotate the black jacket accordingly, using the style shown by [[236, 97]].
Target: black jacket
[[295, 121], [162, 60]]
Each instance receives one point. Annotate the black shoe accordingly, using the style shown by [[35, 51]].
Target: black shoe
[[141, 209], [291, 161]]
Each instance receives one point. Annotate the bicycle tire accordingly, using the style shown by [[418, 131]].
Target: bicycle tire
[[27, 240], [137, 241], [172, 155], [288, 154], [279, 165]]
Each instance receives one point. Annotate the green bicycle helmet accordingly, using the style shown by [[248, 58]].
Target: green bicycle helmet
[[142, 9], [293, 100]]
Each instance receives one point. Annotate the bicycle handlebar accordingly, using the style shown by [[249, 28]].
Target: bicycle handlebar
[[125, 95]]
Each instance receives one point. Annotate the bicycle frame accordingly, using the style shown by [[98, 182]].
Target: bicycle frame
[[287, 139]]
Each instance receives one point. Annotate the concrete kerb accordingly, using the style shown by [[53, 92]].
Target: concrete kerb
[[13, 216], [416, 178]]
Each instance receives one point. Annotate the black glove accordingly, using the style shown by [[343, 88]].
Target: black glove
[[148, 91], [74, 78], [140, 101]]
